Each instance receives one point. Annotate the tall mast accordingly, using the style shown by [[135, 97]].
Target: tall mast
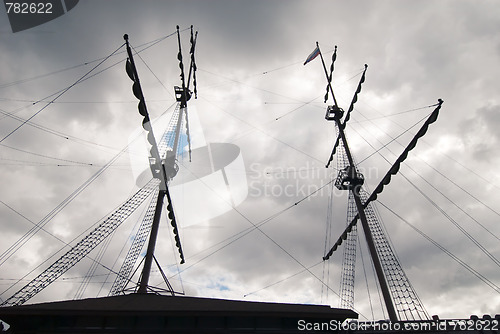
[[394, 284], [185, 95], [353, 181], [182, 95], [162, 170]]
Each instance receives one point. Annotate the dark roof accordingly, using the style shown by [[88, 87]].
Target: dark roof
[[140, 313], [178, 305]]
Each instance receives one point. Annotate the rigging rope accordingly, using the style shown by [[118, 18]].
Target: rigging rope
[[428, 144], [453, 221], [468, 235], [296, 274], [48, 130], [9, 252], [92, 269], [132, 235], [17, 82], [49, 233], [260, 130], [256, 226], [250, 86], [58, 133], [447, 252], [366, 279], [467, 192], [124, 277], [154, 74], [395, 138], [386, 144], [389, 115], [349, 259], [399, 304], [406, 300], [299, 107], [28, 235], [82, 248], [303, 270], [328, 236], [46, 156], [59, 95]]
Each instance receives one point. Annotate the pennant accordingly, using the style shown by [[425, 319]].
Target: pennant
[[313, 55]]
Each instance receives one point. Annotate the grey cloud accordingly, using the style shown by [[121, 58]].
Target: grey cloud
[[480, 133], [416, 52]]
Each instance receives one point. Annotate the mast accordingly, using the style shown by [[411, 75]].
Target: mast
[[353, 180], [148, 261], [395, 286], [356, 177], [163, 170], [185, 95], [113, 221], [182, 95]]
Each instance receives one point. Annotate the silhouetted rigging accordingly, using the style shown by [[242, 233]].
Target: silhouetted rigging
[[349, 178], [163, 170], [400, 299]]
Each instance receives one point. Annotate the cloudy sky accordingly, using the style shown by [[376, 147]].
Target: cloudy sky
[[250, 58]]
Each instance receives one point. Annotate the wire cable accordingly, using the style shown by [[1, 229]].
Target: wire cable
[[394, 139], [19, 243], [453, 221], [254, 127], [46, 156], [446, 251], [154, 74], [60, 92], [146, 46], [59, 95]]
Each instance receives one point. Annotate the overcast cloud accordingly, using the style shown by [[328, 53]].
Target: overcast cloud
[[250, 72]]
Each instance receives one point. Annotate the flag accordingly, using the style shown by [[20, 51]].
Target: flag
[[313, 55]]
